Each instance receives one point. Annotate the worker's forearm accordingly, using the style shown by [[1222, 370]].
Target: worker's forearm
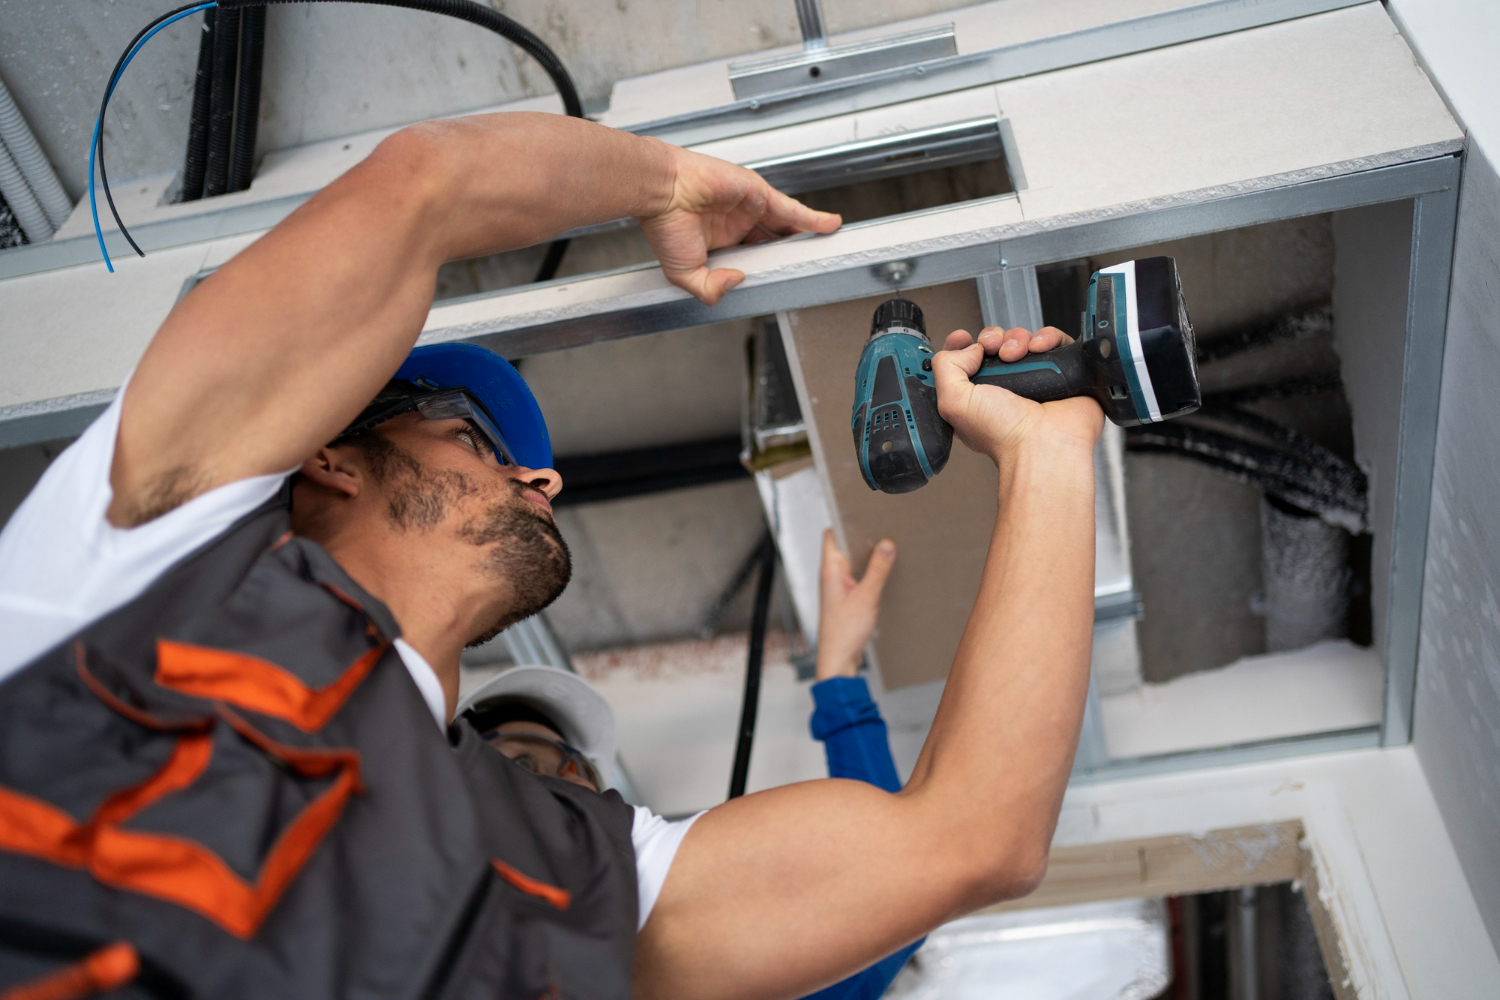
[[497, 182], [1001, 746]]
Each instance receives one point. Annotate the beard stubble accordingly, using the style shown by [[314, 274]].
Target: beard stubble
[[526, 552]]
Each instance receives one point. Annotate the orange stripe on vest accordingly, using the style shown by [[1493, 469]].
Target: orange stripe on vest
[[176, 869], [559, 898], [256, 684], [107, 969]]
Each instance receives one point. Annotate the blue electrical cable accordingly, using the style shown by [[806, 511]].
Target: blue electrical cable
[[141, 39]]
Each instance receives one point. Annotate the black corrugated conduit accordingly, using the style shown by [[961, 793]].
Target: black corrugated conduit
[[221, 103], [247, 97], [228, 63], [750, 706], [1337, 497], [485, 17], [195, 159]]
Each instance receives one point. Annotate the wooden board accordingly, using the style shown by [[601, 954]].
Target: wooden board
[[941, 531]]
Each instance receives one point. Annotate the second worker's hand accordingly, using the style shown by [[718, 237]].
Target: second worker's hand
[[994, 421], [848, 607], [714, 204]]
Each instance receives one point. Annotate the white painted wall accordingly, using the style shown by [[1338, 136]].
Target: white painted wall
[[1457, 725]]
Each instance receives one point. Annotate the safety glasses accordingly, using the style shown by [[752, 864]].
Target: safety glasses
[[441, 404], [553, 758]]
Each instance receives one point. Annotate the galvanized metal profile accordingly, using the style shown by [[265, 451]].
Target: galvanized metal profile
[[824, 65], [1010, 298], [160, 235], [810, 23], [50, 419], [1117, 769], [949, 145], [1434, 224], [630, 302], [960, 72]]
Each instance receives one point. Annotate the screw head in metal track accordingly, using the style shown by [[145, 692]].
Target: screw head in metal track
[[895, 272]]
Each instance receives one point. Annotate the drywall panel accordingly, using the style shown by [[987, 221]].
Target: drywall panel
[[941, 531], [1382, 863], [1327, 89], [1372, 265], [1457, 726]]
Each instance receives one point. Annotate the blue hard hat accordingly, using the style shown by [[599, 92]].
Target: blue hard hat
[[495, 384]]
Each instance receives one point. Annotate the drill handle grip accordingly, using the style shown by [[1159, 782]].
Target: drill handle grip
[[1057, 374]]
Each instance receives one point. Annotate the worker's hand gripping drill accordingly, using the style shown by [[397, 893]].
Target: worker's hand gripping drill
[[1137, 359]]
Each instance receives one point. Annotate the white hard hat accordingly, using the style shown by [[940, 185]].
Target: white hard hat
[[585, 718]]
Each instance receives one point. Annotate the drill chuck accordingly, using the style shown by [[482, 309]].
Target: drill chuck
[[898, 316]]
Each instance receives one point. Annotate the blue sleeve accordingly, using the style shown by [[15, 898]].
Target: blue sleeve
[[853, 733], [871, 983], [854, 737]]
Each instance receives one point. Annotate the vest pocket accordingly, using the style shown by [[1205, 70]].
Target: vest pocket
[[226, 847]]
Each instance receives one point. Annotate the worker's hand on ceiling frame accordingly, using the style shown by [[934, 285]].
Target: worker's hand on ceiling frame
[[848, 608], [995, 421], [264, 361], [716, 204]]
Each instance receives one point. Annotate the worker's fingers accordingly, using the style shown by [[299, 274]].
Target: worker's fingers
[[1015, 343], [785, 215], [955, 365], [878, 570], [835, 572], [957, 340], [708, 286], [1048, 338]]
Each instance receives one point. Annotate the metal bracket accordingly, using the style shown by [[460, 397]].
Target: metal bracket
[[821, 63]]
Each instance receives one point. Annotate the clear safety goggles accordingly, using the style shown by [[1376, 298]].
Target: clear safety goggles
[[542, 755], [442, 404]]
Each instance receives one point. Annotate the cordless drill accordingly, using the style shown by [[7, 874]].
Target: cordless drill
[[1136, 357]]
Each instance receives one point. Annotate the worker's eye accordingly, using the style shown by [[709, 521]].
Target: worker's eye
[[527, 761], [470, 437]]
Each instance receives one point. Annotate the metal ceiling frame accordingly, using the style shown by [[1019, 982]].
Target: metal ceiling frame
[[825, 100]]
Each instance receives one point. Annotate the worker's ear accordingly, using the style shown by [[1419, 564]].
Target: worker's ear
[[336, 470]]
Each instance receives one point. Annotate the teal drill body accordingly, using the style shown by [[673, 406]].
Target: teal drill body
[[1136, 358]]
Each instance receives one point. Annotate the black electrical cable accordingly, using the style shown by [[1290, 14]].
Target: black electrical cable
[[1350, 477], [194, 160], [247, 97], [751, 704], [1290, 477], [221, 103], [109, 90], [467, 10], [1296, 385], [550, 263], [464, 10], [1298, 326]]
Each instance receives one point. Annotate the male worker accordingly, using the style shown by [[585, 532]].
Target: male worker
[[219, 769]]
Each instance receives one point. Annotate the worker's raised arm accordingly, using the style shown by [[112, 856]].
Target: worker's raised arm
[[782, 892], [271, 356]]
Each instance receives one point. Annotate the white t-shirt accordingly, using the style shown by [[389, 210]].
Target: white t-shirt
[[63, 565]]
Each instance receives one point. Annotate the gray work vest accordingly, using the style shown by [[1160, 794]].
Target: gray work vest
[[234, 783]]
